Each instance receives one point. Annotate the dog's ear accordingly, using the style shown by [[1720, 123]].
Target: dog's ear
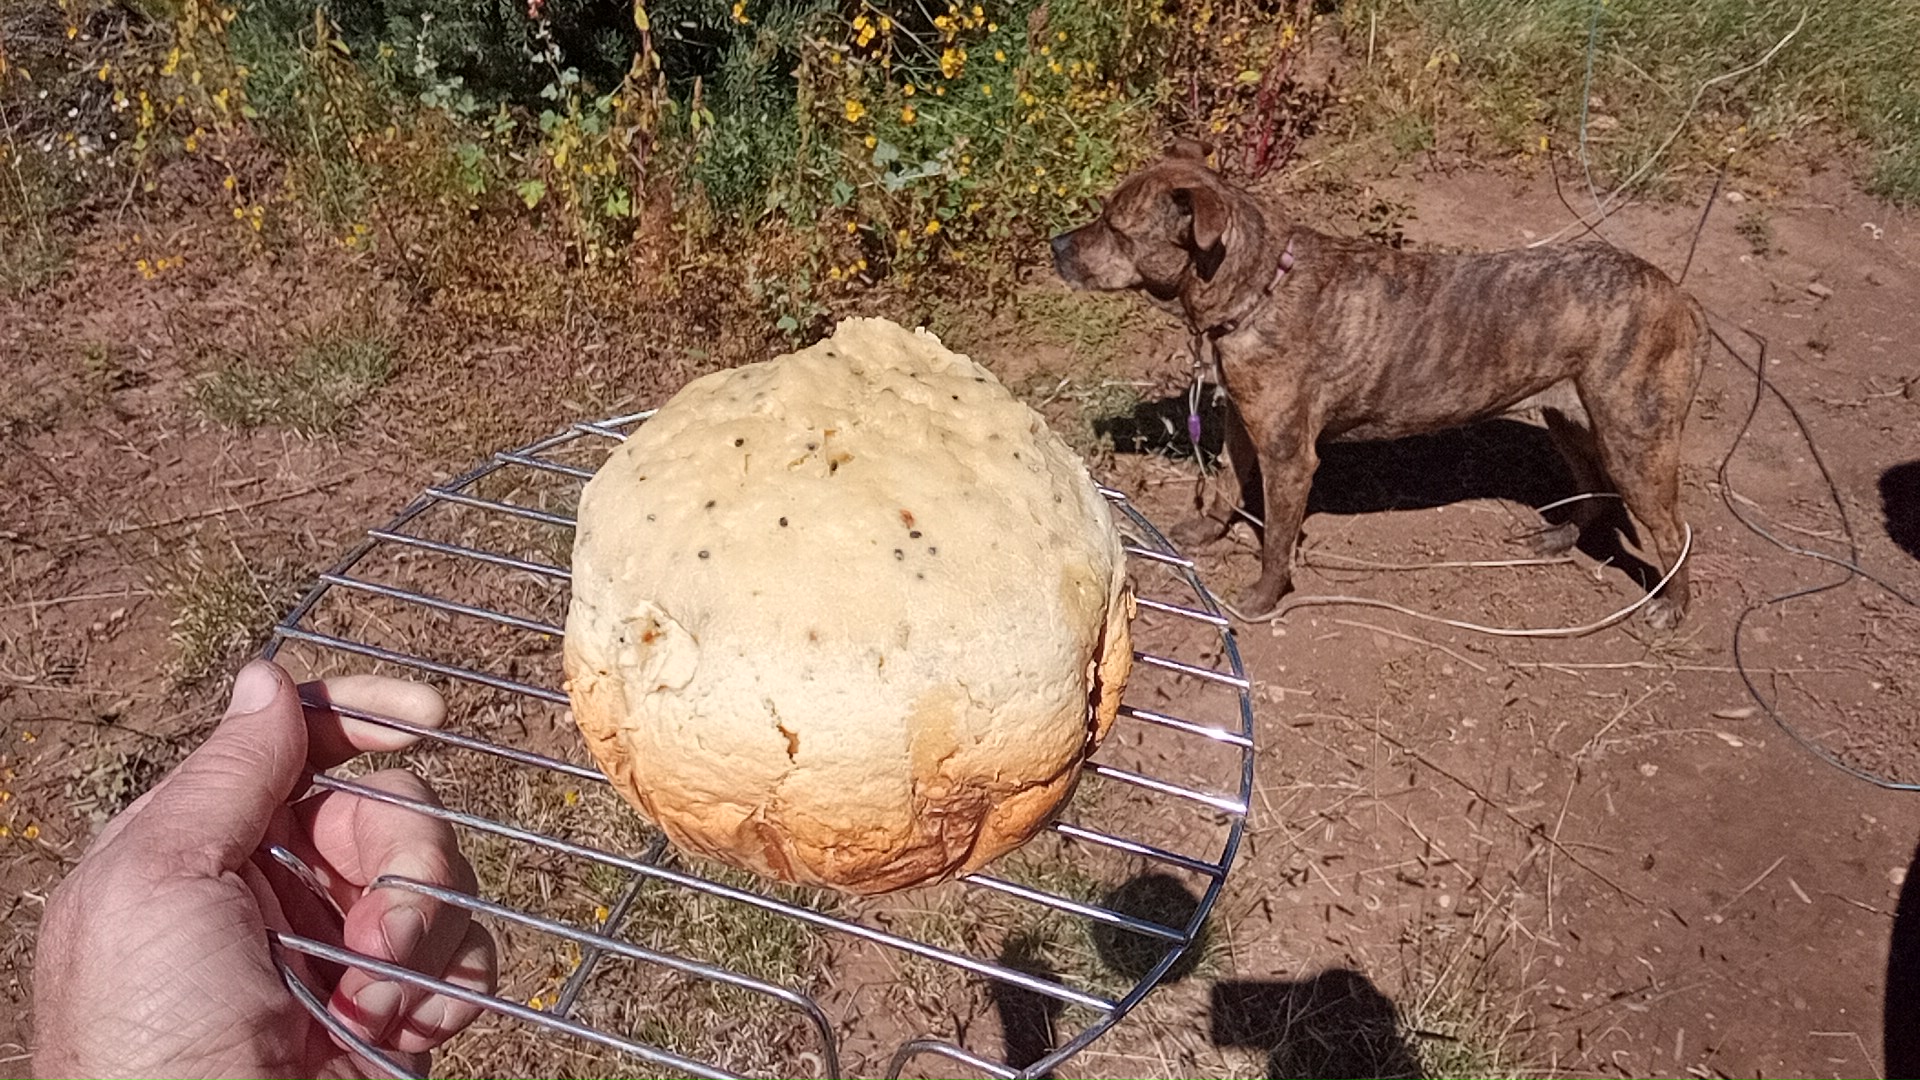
[[1208, 212], [1186, 149]]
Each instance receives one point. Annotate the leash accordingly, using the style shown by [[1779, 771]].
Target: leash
[[1212, 335]]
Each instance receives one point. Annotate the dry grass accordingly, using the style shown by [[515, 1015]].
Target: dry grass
[[222, 609]]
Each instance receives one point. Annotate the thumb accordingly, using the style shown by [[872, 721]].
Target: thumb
[[210, 814]]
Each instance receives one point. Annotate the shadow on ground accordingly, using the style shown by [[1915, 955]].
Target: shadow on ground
[[1028, 1020], [1494, 459], [1901, 1017], [1900, 505], [1336, 1024]]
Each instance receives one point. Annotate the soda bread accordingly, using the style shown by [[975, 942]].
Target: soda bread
[[852, 617]]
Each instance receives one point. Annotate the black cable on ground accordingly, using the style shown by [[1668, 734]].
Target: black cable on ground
[[1850, 566]]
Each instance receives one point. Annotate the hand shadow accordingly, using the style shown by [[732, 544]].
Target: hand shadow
[[1336, 1024], [1028, 1020]]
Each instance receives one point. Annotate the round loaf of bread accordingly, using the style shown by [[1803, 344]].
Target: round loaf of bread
[[852, 617]]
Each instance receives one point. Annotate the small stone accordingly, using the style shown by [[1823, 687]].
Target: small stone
[[1735, 197], [1647, 769], [1897, 875], [1819, 290]]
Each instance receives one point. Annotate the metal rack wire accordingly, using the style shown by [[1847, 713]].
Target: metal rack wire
[[482, 532]]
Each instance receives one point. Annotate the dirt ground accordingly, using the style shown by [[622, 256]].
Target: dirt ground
[[1545, 856]]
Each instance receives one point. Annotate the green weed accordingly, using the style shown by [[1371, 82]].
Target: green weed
[[318, 393]]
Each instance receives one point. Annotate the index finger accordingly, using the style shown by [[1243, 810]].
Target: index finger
[[350, 715]]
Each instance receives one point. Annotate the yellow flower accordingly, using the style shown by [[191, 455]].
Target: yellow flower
[[600, 913], [907, 115], [1039, 170], [933, 226], [572, 797], [886, 25], [860, 263], [977, 13], [871, 142], [939, 91], [31, 832], [855, 110], [987, 89], [1060, 35], [951, 61], [903, 236], [993, 28], [740, 12], [866, 36], [105, 70], [999, 56], [852, 227], [907, 90], [860, 22]]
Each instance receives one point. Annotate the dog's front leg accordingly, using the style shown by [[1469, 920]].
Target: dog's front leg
[[1222, 495], [1288, 459]]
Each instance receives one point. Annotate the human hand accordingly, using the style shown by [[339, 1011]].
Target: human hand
[[153, 956]]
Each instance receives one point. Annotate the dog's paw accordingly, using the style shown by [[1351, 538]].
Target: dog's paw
[[1198, 531], [1662, 614], [1261, 597], [1553, 541]]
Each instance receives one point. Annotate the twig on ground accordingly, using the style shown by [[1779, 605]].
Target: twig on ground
[[218, 511], [1750, 886], [1528, 826]]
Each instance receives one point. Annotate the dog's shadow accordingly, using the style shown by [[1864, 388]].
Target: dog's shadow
[[1494, 459]]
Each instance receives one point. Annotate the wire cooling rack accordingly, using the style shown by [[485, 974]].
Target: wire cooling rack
[[467, 587]]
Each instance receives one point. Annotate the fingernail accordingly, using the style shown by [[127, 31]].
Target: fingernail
[[375, 1007], [403, 928], [254, 688]]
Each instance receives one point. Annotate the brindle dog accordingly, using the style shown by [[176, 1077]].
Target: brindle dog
[[1318, 337]]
